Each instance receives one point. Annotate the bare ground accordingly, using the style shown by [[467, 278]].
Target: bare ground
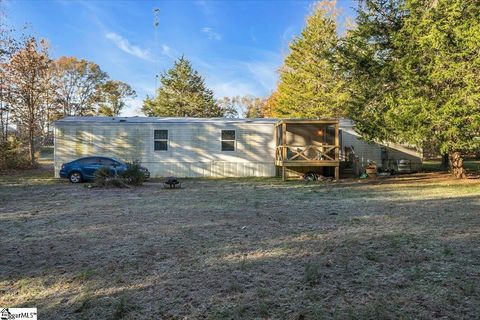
[[405, 247]]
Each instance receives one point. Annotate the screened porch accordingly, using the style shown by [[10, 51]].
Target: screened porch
[[311, 145]]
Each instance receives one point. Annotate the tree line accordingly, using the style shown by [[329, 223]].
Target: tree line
[[36, 90]]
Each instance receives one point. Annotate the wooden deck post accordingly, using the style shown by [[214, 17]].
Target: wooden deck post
[[284, 150], [275, 137], [337, 150], [275, 133]]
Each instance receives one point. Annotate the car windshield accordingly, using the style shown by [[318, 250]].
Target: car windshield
[[118, 160]]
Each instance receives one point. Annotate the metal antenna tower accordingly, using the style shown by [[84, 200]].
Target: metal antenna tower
[[156, 23]]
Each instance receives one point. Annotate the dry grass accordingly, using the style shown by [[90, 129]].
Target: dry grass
[[243, 248]]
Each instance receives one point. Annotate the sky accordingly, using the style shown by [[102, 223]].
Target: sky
[[237, 46]]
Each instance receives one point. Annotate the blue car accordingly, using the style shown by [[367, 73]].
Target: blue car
[[83, 169]]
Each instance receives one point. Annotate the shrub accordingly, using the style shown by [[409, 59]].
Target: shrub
[[134, 174], [13, 155], [117, 182], [102, 176]]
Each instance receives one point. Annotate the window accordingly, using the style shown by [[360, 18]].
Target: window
[[88, 161], [160, 138], [228, 140], [107, 162]]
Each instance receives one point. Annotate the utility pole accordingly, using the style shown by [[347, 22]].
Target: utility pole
[[156, 23]]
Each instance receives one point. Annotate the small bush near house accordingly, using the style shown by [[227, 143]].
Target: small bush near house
[[134, 174], [105, 178], [102, 176]]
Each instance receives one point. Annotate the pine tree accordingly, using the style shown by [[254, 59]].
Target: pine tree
[[310, 85], [413, 72], [438, 96], [182, 94], [367, 56]]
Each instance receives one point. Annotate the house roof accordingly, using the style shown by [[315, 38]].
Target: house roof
[[307, 121], [73, 120], [160, 120]]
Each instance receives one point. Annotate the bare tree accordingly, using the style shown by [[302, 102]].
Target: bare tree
[[27, 78], [8, 45]]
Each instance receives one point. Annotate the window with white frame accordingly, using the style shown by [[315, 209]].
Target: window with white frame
[[228, 140], [160, 138]]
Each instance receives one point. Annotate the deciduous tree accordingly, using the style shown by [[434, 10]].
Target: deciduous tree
[[76, 84], [230, 106], [270, 105], [111, 96], [247, 106], [8, 46], [27, 78]]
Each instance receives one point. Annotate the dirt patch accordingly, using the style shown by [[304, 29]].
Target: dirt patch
[[404, 247]]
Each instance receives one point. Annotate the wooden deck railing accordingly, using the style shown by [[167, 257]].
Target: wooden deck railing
[[307, 153]]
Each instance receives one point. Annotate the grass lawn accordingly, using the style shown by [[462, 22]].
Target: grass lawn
[[436, 165], [406, 247]]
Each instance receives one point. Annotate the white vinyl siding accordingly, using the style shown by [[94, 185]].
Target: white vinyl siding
[[194, 149]]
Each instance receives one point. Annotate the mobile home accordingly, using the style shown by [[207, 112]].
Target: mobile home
[[219, 147]]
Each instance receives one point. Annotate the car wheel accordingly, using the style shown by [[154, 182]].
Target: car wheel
[[75, 177]]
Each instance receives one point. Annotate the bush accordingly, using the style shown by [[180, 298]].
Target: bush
[[13, 155], [134, 174], [102, 176]]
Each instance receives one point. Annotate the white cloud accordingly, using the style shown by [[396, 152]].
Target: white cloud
[[124, 45], [212, 35], [224, 88], [166, 49], [230, 77], [203, 6], [287, 36], [169, 52], [265, 73], [242, 78]]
